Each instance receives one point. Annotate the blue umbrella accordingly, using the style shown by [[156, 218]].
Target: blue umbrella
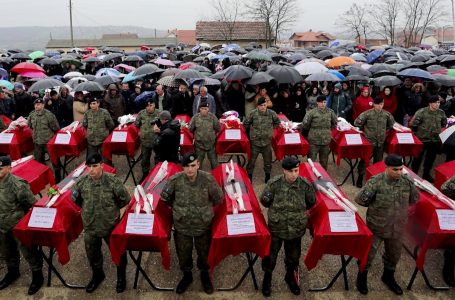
[[130, 77], [140, 100], [336, 73], [8, 85], [416, 73], [373, 56], [3, 74]]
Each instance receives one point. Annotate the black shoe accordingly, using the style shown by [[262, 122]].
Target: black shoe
[[206, 282], [97, 277], [428, 178], [267, 177], [292, 282], [185, 282], [388, 277], [121, 280], [267, 284], [359, 182], [447, 273], [12, 275], [37, 282], [362, 285], [250, 176]]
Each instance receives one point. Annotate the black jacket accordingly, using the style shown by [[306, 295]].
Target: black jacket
[[167, 142], [167, 102], [24, 104]]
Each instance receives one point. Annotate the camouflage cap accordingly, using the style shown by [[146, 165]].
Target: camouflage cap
[[188, 158], [5, 161]]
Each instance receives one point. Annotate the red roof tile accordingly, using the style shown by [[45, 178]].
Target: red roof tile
[[312, 36], [242, 30], [187, 37]]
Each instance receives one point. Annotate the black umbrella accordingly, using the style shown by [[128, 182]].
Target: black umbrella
[[147, 69], [359, 71], [188, 74], [71, 60], [285, 74], [106, 80], [133, 58], [91, 59], [89, 86], [236, 72], [47, 83], [112, 56], [169, 72], [387, 81], [325, 54], [416, 73], [356, 78], [20, 56], [189, 57], [259, 77], [48, 62], [448, 59], [200, 68], [6, 60], [444, 80], [420, 58]]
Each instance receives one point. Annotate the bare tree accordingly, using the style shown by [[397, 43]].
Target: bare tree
[[384, 16], [355, 19], [227, 12]]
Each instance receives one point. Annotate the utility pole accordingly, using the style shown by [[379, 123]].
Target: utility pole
[[71, 24]]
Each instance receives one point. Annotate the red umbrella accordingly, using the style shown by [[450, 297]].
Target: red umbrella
[[26, 67], [89, 49], [186, 65]]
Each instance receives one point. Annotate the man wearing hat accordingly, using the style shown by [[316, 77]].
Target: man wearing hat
[[101, 196], [23, 101], [16, 199], [114, 103], [374, 123], [287, 198], [167, 142], [192, 194], [145, 120], [339, 101], [98, 123], [319, 122], [204, 125], [427, 123], [387, 196], [259, 125]]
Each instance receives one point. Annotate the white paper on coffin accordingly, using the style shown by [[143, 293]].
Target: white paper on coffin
[[232, 134], [292, 138], [119, 136], [182, 136], [63, 139], [140, 223], [341, 221], [446, 219], [405, 138], [42, 217], [240, 224], [6, 138], [353, 139]]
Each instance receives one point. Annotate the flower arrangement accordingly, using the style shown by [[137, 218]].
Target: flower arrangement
[[53, 191]]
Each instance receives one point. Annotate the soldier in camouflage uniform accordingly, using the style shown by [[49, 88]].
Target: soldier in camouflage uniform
[[15, 201], [318, 122], [192, 195], [374, 123], [387, 196], [101, 196], [427, 123], [145, 120], [98, 123], [259, 125], [287, 197], [205, 126], [44, 125], [448, 189]]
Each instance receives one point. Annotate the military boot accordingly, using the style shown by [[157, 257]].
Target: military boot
[[185, 282], [267, 177], [291, 280], [359, 182], [362, 285], [97, 277], [206, 282], [10, 277], [388, 277], [250, 176], [447, 271], [121, 279], [267, 284], [37, 282]]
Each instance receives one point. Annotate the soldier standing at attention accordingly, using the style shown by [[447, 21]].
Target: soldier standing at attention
[[319, 121], [15, 201], [98, 123], [145, 120], [287, 197], [192, 194], [205, 126], [387, 196], [44, 125], [374, 123], [101, 196], [259, 125], [448, 189], [427, 123]]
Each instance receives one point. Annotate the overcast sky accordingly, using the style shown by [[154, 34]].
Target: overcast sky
[[160, 14]]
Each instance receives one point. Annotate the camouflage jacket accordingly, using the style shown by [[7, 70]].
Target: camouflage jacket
[[101, 201], [98, 124], [144, 122], [15, 200], [448, 188], [428, 124], [44, 125], [287, 203], [375, 124], [259, 126], [387, 201], [204, 129], [192, 202], [319, 123]]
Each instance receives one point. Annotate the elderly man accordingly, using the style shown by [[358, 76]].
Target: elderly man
[[204, 96], [161, 98]]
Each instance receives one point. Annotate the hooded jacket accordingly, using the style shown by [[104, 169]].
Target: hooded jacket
[[167, 142]]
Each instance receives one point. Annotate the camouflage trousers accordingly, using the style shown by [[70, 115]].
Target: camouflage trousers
[[266, 152], [211, 155], [146, 153], [323, 151], [378, 154], [39, 152], [292, 250], [94, 253], [9, 252], [391, 254], [184, 248]]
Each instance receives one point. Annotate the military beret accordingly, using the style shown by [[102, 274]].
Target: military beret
[[93, 159], [321, 98], [378, 100], [5, 161], [150, 101], [393, 160], [38, 100], [165, 115], [203, 104], [290, 162], [92, 99], [433, 98], [261, 100], [188, 158]]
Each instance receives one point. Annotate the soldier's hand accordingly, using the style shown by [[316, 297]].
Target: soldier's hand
[[156, 129]]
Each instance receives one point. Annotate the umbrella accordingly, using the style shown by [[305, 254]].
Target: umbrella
[[325, 54], [75, 81], [112, 56], [356, 78], [416, 73], [48, 62], [382, 69], [47, 83], [89, 86], [6, 84], [449, 72], [89, 77], [322, 77], [141, 99], [200, 68], [36, 54], [359, 71], [187, 74], [169, 72], [189, 57], [444, 80], [337, 74], [6, 60], [70, 75], [168, 81], [26, 67], [259, 77], [130, 77], [339, 61], [237, 72], [387, 80], [435, 68], [70, 60], [285, 74], [294, 57], [163, 62], [108, 71], [374, 55], [20, 55], [133, 58], [3, 74], [33, 74], [310, 68], [206, 81], [358, 57], [107, 79], [147, 69], [257, 55], [92, 59], [125, 67]]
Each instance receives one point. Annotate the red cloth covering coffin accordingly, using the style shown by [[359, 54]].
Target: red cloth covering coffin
[[281, 148], [128, 147], [158, 239], [393, 146], [21, 142], [186, 141], [183, 118], [224, 145], [224, 244], [355, 244], [76, 145], [443, 172], [67, 224], [36, 174], [340, 147]]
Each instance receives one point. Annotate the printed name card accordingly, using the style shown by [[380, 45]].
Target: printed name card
[[353, 139], [181, 138], [232, 134], [446, 218], [240, 224], [6, 138], [405, 138], [140, 223], [119, 136], [42, 217], [342, 221], [292, 138], [62, 139]]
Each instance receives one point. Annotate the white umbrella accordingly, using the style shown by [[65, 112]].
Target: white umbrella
[[75, 81], [310, 68], [70, 75]]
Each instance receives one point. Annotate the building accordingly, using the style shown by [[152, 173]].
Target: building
[[187, 37], [310, 38], [369, 42]]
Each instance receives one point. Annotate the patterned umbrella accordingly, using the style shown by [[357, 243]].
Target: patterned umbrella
[[168, 81]]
